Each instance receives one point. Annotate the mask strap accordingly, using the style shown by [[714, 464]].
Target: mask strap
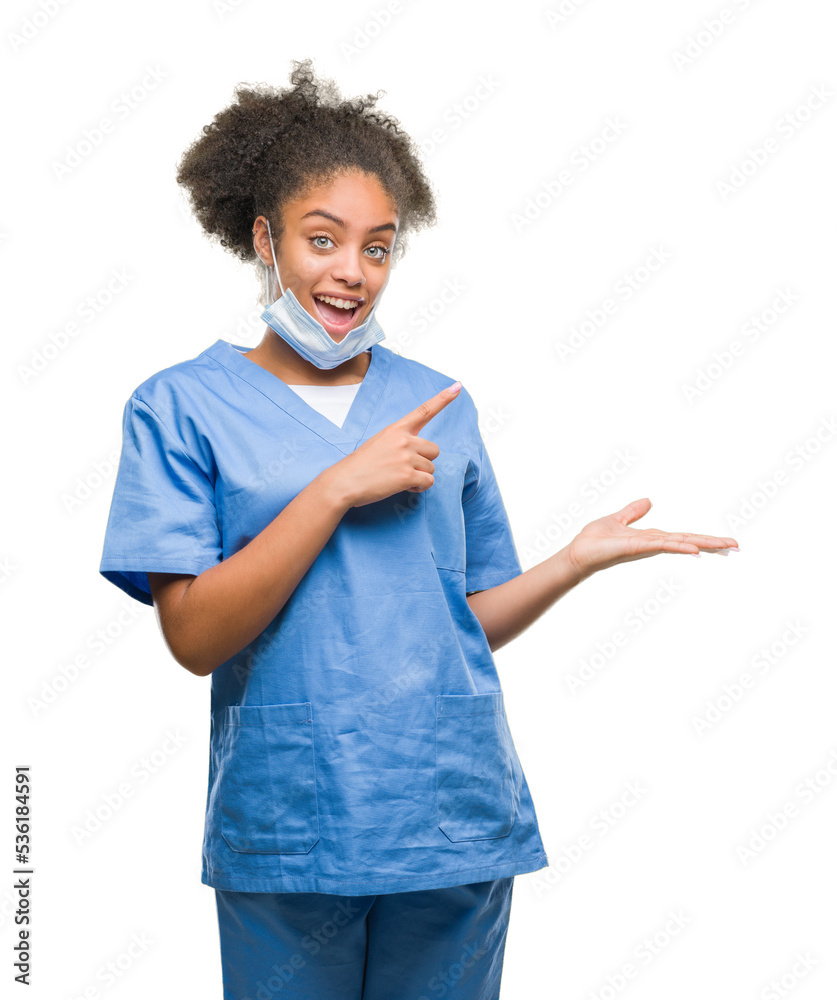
[[275, 267]]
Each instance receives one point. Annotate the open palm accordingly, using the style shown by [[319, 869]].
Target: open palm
[[608, 540]]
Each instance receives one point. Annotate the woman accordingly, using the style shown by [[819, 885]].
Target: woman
[[343, 577]]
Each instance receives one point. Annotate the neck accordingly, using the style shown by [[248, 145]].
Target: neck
[[279, 358]]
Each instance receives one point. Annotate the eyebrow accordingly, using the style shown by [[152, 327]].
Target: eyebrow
[[340, 222]]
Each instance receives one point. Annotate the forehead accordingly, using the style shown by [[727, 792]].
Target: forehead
[[358, 199]]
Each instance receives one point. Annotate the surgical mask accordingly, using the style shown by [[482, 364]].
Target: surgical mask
[[307, 336]]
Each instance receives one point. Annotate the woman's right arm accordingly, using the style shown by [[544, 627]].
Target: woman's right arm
[[207, 619]]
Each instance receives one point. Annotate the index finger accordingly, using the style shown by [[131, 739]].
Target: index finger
[[417, 418]]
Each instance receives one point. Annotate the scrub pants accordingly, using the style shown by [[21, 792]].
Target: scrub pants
[[395, 946]]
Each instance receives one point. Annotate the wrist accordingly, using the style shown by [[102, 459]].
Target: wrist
[[579, 569], [333, 490]]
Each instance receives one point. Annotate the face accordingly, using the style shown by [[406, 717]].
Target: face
[[335, 249]]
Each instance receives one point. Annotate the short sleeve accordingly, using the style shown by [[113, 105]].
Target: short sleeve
[[490, 554], [162, 516]]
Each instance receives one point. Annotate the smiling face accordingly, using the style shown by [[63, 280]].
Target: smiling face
[[334, 253]]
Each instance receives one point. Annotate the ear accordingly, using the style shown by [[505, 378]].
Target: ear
[[261, 241]]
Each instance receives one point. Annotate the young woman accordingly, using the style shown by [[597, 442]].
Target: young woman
[[318, 524]]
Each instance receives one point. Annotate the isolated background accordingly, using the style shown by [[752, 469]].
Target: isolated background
[[503, 101]]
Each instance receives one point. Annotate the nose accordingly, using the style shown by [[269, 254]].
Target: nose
[[347, 266]]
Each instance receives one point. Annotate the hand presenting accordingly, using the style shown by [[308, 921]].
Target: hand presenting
[[608, 540], [395, 458]]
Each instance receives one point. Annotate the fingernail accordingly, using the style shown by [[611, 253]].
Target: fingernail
[[733, 549], [695, 554], [454, 389]]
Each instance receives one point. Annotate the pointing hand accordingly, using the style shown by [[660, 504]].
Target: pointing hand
[[395, 458]]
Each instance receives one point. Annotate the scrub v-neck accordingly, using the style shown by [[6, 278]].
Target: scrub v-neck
[[345, 438]]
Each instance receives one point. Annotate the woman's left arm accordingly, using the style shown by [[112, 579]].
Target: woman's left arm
[[507, 610]]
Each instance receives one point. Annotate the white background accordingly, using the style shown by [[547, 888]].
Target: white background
[[517, 95]]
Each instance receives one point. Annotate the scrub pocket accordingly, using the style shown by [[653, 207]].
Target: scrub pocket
[[476, 793], [443, 507], [267, 785]]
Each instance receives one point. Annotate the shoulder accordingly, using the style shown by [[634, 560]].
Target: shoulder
[[180, 403], [179, 377], [426, 381]]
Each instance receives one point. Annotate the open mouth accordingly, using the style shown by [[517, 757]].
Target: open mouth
[[337, 319]]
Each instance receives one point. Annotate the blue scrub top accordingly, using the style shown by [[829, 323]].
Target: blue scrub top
[[359, 745]]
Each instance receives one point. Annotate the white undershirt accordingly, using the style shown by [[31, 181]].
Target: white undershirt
[[333, 401]]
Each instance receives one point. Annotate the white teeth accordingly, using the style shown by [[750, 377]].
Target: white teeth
[[340, 303]]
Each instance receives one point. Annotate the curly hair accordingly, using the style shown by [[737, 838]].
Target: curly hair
[[272, 145]]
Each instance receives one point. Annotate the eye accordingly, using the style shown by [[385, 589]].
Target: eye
[[381, 255]]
